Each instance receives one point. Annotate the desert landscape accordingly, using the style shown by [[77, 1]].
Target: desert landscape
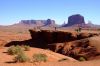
[[53, 56], [49, 33]]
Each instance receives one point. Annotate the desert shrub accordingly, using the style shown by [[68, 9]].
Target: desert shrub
[[18, 49], [14, 50], [39, 58], [26, 48], [11, 50], [21, 57], [82, 59], [78, 29], [63, 59]]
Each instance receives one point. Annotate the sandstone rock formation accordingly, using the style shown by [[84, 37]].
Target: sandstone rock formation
[[62, 42], [76, 19], [49, 22], [38, 22], [76, 49]]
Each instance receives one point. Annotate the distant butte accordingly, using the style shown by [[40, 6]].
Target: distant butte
[[76, 19]]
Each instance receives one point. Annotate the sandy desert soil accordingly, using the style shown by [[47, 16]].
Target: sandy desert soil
[[5, 59], [95, 41], [52, 57]]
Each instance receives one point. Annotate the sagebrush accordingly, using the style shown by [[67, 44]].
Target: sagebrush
[[21, 57], [39, 57], [13, 50]]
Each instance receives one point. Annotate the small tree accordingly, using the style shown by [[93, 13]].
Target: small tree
[[79, 29]]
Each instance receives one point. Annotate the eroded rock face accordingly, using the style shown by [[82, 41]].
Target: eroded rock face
[[49, 37], [76, 49], [56, 47], [66, 43]]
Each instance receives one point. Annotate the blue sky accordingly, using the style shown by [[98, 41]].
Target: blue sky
[[12, 11]]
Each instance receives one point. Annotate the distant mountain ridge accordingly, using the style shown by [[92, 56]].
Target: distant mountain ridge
[[40, 23], [34, 23], [75, 20]]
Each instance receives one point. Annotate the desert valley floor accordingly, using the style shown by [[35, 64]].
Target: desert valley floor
[[7, 60]]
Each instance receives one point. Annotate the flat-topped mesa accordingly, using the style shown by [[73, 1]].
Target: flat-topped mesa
[[39, 23]]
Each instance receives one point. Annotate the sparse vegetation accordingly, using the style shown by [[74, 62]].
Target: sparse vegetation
[[63, 59], [26, 48], [78, 29], [13, 50], [82, 59], [39, 58], [19, 49], [21, 57]]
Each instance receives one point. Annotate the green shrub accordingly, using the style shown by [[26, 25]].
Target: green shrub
[[39, 58], [82, 59], [63, 59], [13, 50], [27, 48], [18, 49], [78, 29], [21, 57]]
